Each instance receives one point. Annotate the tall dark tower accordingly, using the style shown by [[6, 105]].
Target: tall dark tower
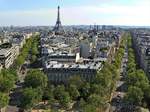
[[58, 27]]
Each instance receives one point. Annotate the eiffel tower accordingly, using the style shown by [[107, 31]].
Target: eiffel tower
[[58, 27]]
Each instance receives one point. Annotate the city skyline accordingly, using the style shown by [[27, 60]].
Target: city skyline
[[75, 12]]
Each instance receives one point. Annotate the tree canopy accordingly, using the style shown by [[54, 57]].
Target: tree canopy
[[36, 78], [134, 95], [7, 80], [30, 97], [4, 100], [136, 80]]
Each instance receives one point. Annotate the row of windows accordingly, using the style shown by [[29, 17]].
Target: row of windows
[[70, 70], [63, 77]]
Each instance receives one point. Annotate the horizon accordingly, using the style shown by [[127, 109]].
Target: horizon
[[131, 26], [75, 12]]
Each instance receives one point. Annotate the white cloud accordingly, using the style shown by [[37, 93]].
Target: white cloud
[[137, 14]]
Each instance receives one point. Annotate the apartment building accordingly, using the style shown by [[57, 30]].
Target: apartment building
[[8, 55]]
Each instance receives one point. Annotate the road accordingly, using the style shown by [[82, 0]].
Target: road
[[121, 88]]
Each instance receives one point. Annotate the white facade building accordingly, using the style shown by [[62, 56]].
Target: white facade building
[[8, 55]]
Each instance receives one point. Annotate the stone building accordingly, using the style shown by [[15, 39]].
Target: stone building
[[8, 55]]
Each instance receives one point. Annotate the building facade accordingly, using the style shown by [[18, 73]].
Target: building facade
[[60, 73], [141, 41], [8, 55]]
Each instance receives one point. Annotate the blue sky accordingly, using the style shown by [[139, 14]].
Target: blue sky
[[7, 5], [43, 12]]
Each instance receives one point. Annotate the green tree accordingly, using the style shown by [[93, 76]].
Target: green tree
[[62, 96], [138, 79], [131, 78], [34, 49], [89, 108], [58, 90], [96, 100], [4, 100], [82, 103], [147, 93], [48, 94], [24, 52], [7, 80], [64, 99], [73, 91], [36, 78], [6, 85], [134, 95], [13, 73], [20, 60], [85, 90], [95, 89], [33, 58], [30, 97], [103, 78]]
